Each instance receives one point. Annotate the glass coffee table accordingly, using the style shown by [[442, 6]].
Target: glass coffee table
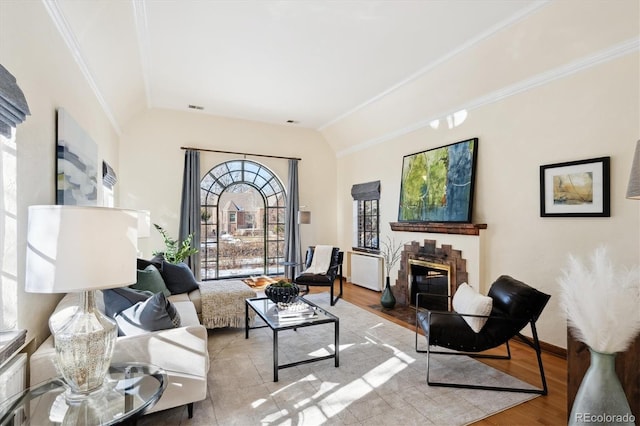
[[130, 390], [268, 311]]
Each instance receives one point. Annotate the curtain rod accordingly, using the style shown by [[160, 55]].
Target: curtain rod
[[241, 153]]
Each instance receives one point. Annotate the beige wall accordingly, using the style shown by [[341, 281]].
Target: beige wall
[[33, 51], [522, 121], [152, 162]]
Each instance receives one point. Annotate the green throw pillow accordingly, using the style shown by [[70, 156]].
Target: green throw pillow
[[150, 279]]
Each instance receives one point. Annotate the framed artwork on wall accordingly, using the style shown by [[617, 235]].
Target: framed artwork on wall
[[575, 188], [76, 165], [437, 185]]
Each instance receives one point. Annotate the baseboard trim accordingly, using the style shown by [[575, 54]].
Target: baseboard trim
[[553, 350], [548, 348]]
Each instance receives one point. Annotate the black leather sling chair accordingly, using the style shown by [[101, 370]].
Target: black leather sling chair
[[515, 304], [323, 280]]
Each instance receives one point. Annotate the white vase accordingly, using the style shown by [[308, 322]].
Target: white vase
[[600, 399]]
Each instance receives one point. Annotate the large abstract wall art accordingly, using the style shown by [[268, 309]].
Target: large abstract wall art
[[77, 164], [437, 184]]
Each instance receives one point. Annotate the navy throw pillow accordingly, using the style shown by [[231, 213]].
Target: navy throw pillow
[[117, 300], [178, 277], [155, 261], [155, 313]]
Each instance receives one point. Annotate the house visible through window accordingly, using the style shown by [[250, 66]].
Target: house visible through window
[[366, 217], [242, 221]]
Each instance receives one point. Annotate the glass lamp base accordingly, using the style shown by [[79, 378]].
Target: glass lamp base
[[74, 398], [94, 408], [84, 347]]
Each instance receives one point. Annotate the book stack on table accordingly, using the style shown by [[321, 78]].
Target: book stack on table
[[294, 311]]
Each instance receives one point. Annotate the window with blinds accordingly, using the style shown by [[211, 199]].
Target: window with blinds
[[366, 198]]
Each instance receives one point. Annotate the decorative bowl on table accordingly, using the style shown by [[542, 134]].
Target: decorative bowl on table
[[282, 291]]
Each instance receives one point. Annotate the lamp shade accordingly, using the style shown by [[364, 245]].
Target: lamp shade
[[633, 190], [76, 248], [144, 223]]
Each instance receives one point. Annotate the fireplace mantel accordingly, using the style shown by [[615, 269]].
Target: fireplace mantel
[[439, 227]]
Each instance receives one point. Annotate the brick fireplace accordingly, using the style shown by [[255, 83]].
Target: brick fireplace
[[449, 258]]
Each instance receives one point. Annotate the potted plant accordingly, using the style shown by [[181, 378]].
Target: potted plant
[[282, 291], [175, 252], [391, 255], [601, 302]]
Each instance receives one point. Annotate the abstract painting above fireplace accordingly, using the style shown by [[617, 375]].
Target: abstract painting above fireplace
[[437, 184]]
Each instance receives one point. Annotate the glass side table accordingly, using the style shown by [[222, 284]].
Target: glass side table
[[130, 390]]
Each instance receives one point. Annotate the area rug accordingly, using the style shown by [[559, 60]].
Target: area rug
[[381, 380], [403, 313]]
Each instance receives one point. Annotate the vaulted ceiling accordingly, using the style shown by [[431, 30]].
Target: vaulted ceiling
[[310, 62]]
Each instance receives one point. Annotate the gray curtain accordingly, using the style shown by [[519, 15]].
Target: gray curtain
[[190, 207], [292, 229]]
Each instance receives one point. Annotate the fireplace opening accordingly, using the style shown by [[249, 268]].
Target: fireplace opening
[[433, 278], [442, 259]]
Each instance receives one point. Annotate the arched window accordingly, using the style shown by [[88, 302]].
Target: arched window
[[242, 221]]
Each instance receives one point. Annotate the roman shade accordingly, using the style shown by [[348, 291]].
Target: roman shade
[[13, 105], [366, 191], [109, 177]]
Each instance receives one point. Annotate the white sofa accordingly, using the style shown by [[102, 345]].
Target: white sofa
[[182, 352]]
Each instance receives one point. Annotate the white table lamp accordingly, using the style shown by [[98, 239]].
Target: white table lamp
[[81, 249], [144, 227], [144, 223]]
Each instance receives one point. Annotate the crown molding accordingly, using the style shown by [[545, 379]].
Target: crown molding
[[613, 52], [144, 45], [57, 16], [465, 46]]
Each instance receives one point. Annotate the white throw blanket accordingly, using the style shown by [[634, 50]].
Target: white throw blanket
[[320, 261]]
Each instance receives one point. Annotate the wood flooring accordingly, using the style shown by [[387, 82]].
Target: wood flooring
[[543, 410]]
